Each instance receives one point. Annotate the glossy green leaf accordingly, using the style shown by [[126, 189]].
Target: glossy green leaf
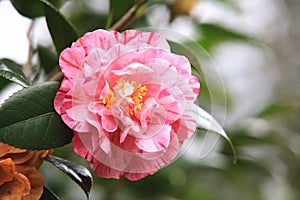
[[207, 122], [13, 72], [213, 35], [77, 173], [3, 83], [48, 195], [32, 8], [29, 121], [61, 30]]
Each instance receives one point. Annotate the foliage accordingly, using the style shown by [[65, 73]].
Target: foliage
[[28, 119], [76, 172], [12, 71]]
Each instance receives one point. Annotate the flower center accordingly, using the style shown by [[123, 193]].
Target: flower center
[[131, 91]]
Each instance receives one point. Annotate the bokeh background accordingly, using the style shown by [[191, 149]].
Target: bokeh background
[[250, 54]]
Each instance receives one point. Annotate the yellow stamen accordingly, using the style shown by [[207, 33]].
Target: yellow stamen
[[137, 97], [132, 91], [107, 101]]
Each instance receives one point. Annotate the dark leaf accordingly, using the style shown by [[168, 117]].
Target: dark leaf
[[3, 83], [85, 21], [118, 8], [13, 72], [77, 173], [48, 195], [48, 59], [62, 32], [32, 8], [29, 121]]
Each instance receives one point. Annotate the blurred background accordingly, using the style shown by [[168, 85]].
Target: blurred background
[[249, 52]]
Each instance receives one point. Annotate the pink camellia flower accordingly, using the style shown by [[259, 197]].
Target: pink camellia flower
[[127, 98]]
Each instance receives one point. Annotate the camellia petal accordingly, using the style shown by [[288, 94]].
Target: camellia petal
[[7, 170], [19, 175], [128, 99], [36, 182], [15, 189], [157, 143], [7, 149]]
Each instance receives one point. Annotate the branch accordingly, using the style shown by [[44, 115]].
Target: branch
[[127, 17], [57, 77], [28, 65]]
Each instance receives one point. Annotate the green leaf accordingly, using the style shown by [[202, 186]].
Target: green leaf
[[61, 30], [48, 195], [86, 21], [3, 83], [118, 8], [32, 8], [207, 122], [280, 107], [48, 59], [213, 35], [77, 173], [29, 121], [12, 71]]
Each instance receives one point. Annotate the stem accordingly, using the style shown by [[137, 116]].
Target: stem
[[109, 20], [56, 77], [27, 66], [128, 16]]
